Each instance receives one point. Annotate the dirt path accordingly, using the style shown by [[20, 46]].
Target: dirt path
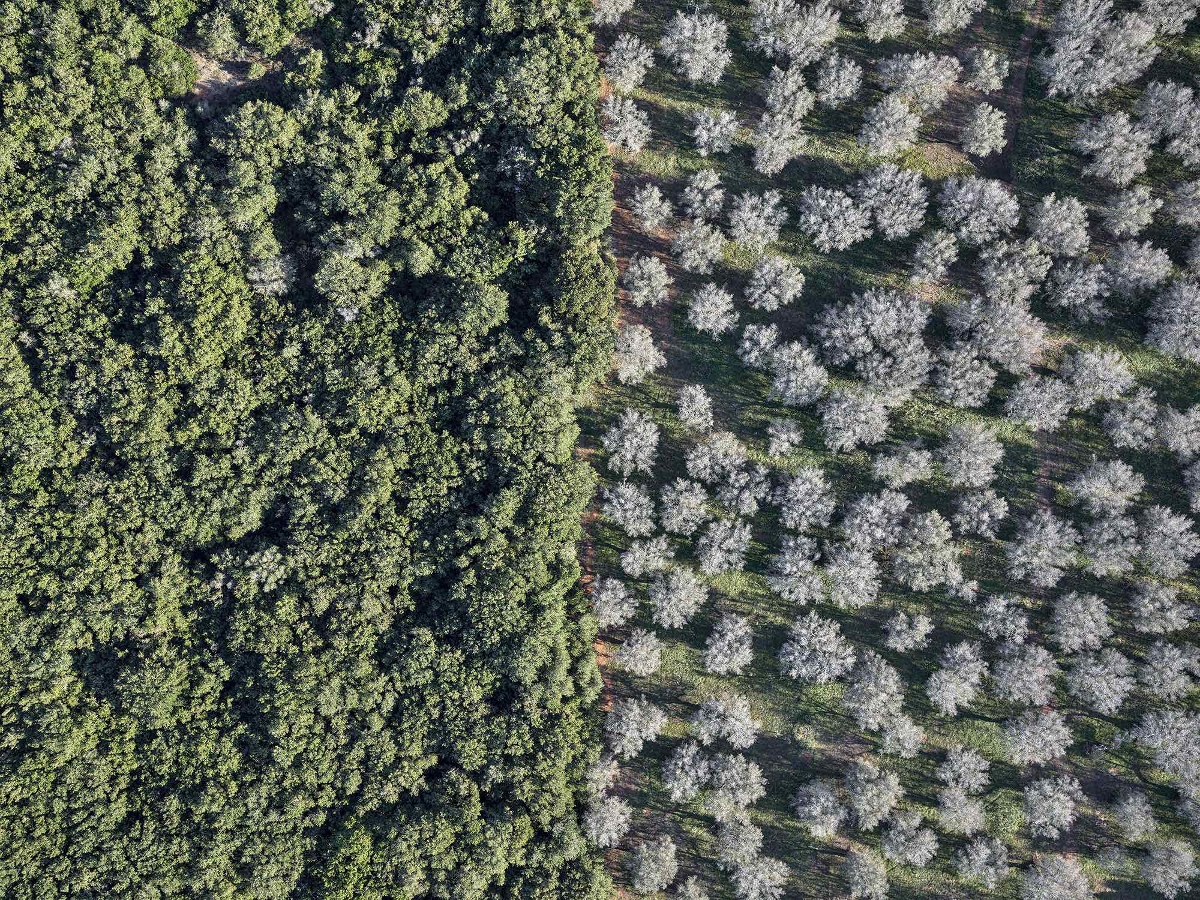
[[1013, 98]]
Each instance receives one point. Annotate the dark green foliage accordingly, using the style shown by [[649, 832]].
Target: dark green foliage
[[288, 495]]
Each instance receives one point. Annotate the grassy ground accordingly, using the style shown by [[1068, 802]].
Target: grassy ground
[[805, 732]]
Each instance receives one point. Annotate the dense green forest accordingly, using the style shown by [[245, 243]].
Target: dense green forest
[[296, 300]]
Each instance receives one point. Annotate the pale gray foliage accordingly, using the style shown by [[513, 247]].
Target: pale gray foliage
[[793, 574], [805, 499], [946, 16], [1050, 805], [761, 878], [1191, 482], [1117, 146], [815, 651], [1134, 815], [778, 139], [959, 812], [907, 632], [1106, 488], [889, 127], [646, 557], [923, 79], [984, 133], [676, 595], [742, 493], [630, 723], [1025, 674], [755, 219], [902, 737], [1162, 108], [896, 199], [704, 198], [1011, 272], [980, 513], [881, 19], [839, 79], [797, 378], [736, 783], [606, 820], [652, 209], [1042, 548], [640, 653], [927, 557], [1092, 51], [987, 70], [757, 346], [630, 507], [775, 282], [852, 576], [853, 418], [785, 29], [1080, 622], [1179, 431], [683, 506], [818, 808], [865, 875], [1158, 609], [713, 130], [1173, 737], [1002, 617], [784, 436], [738, 842], [612, 602], [1168, 541], [631, 443], [881, 334], [1101, 681], [1174, 320], [933, 256], [1184, 207], [635, 355], [872, 521], [1127, 213], [1056, 877], [723, 547], [1110, 545], [654, 865], [1037, 736], [729, 648], [696, 43], [871, 793], [979, 210], [1165, 668], [1004, 332], [1131, 422], [831, 219], [727, 717], [1096, 375], [961, 378], [694, 406], [905, 841], [1060, 226], [1080, 289], [956, 683], [964, 769], [646, 281], [874, 692], [1169, 867], [602, 774], [984, 860], [716, 458], [1040, 402], [711, 310], [627, 63], [685, 772], [697, 247], [1136, 267], [627, 126], [608, 13]]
